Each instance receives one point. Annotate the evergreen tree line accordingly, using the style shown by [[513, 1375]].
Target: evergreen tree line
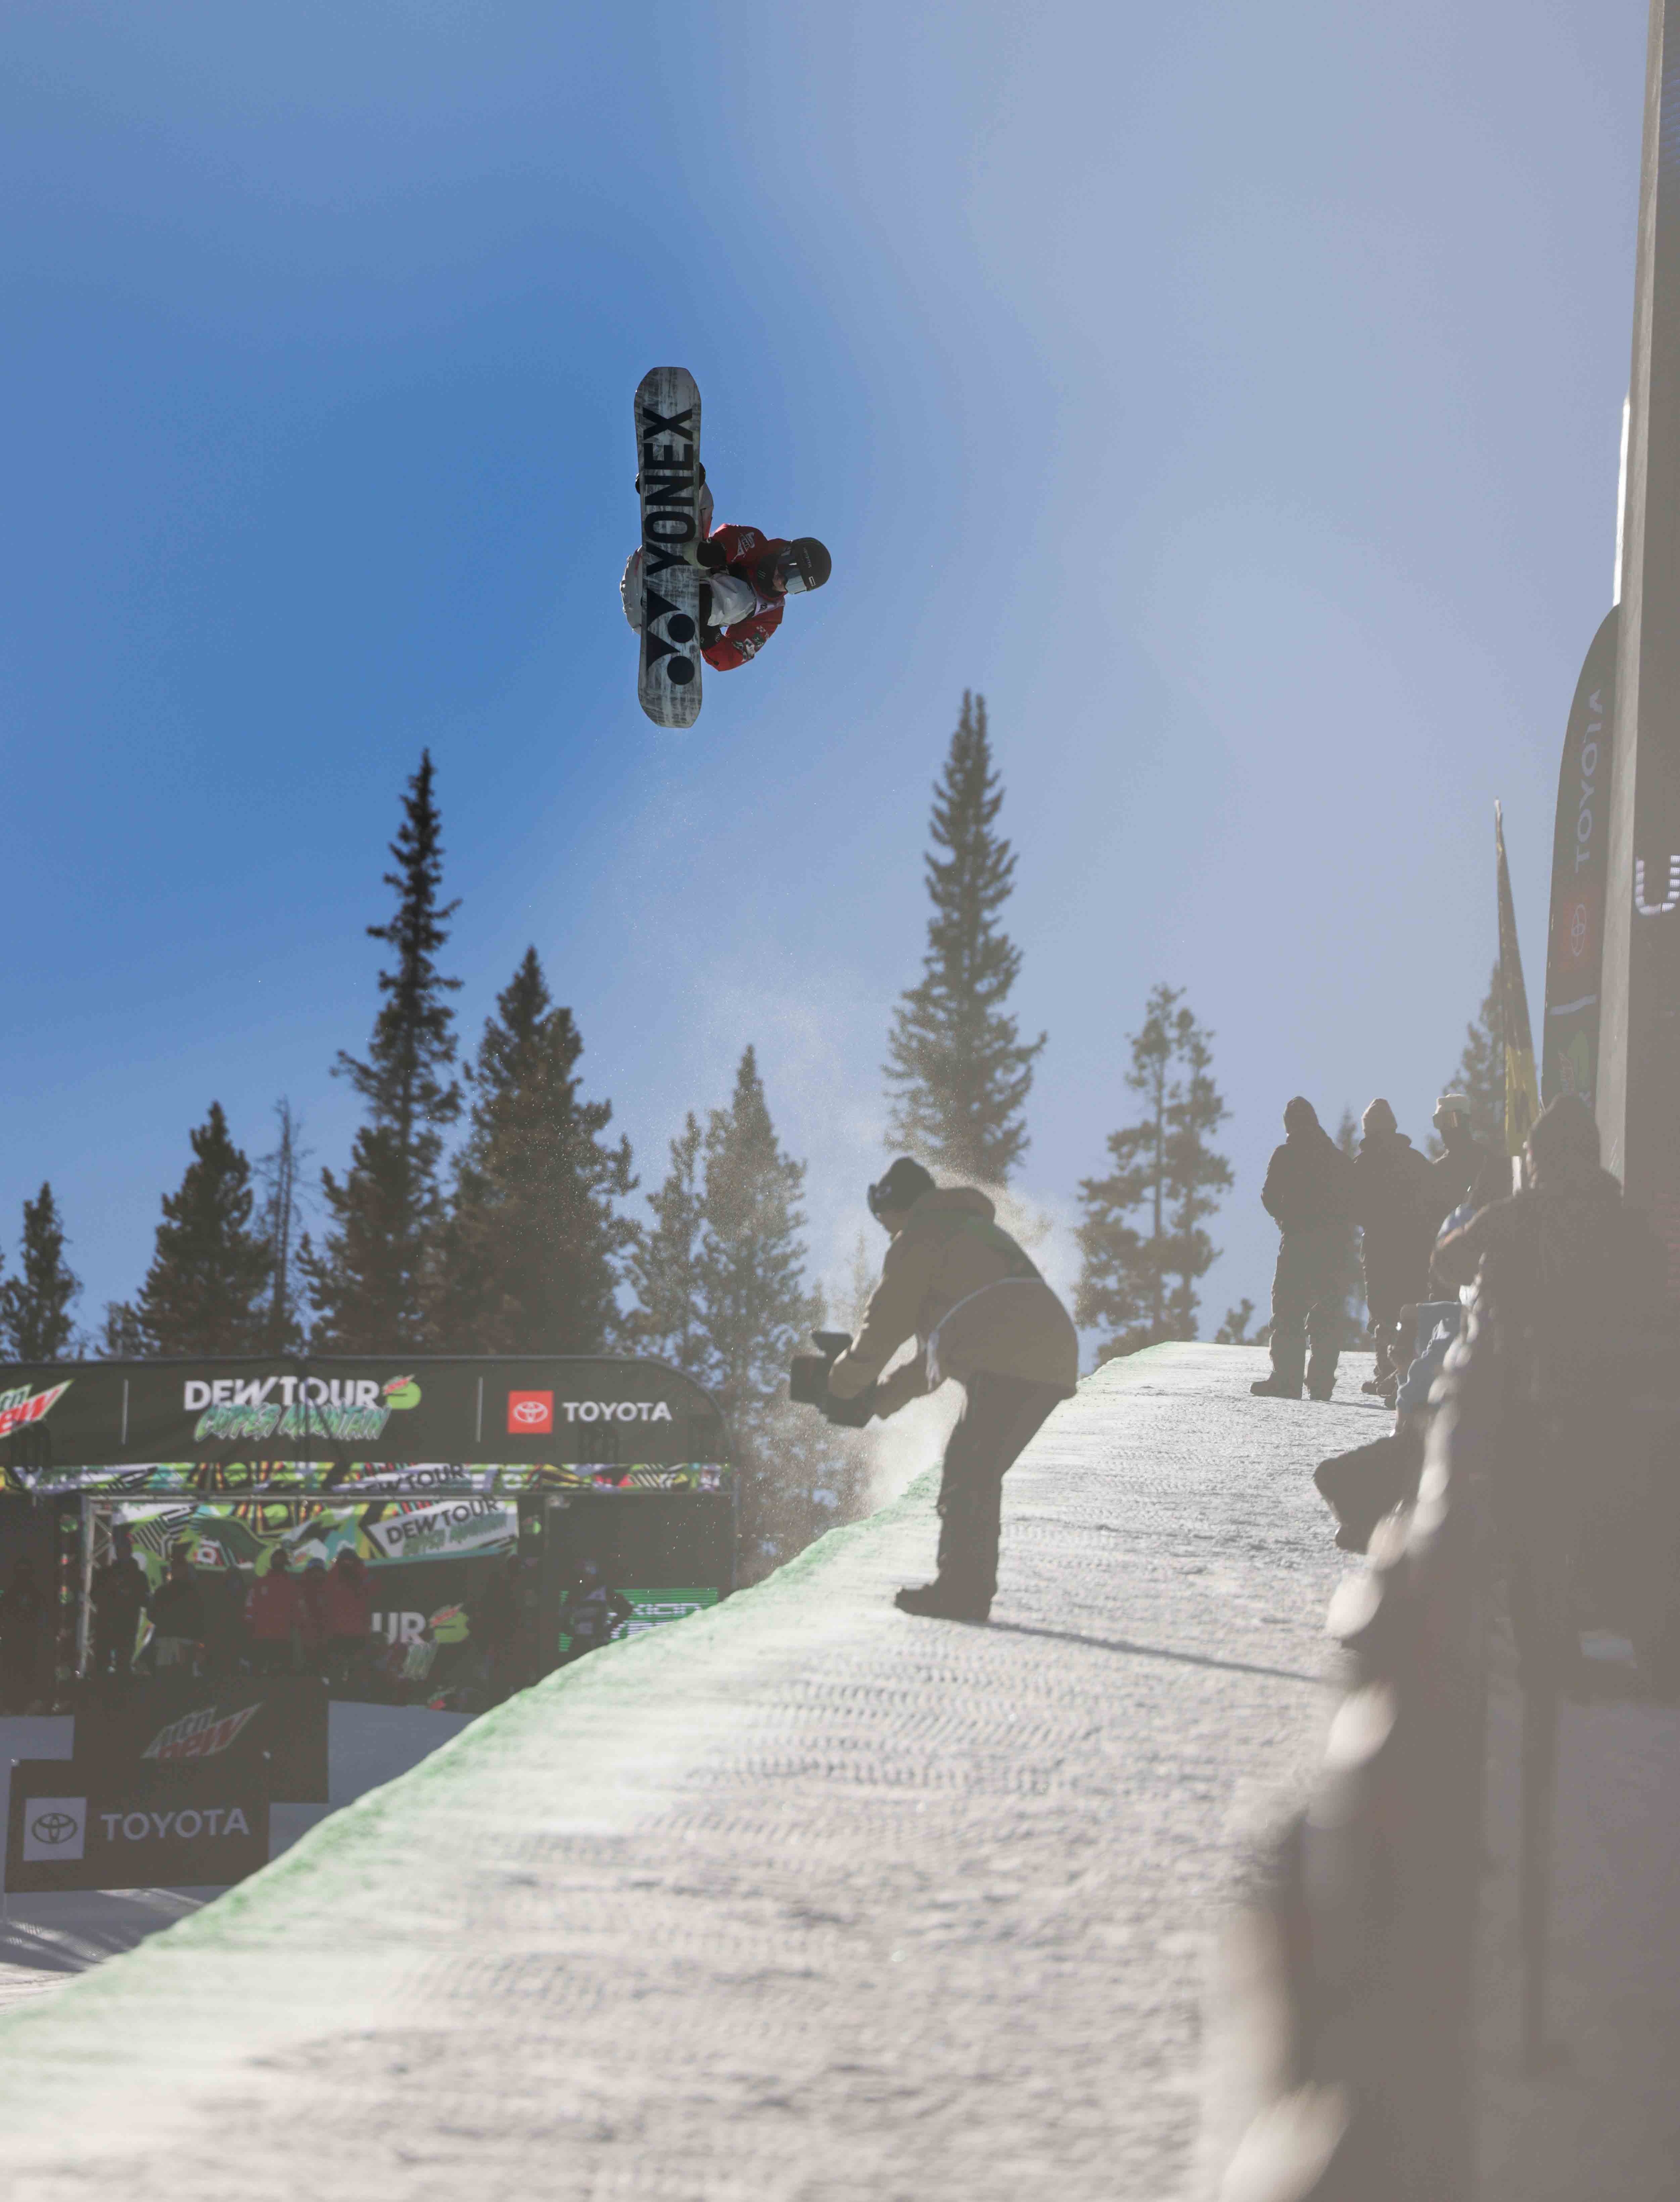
[[521, 1240]]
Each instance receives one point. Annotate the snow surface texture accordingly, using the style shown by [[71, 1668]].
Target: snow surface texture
[[801, 1897], [44, 1940]]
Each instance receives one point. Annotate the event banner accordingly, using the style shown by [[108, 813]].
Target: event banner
[[533, 1411], [167, 1721], [1521, 1085], [83, 1824], [1580, 854]]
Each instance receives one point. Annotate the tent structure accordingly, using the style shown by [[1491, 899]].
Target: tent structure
[[421, 1464]]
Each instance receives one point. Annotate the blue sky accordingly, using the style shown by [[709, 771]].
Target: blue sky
[[1232, 394]]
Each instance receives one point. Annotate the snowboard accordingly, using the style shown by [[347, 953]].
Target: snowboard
[[667, 459]]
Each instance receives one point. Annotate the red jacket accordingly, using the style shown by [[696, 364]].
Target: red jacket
[[348, 1597], [271, 1608], [743, 549]]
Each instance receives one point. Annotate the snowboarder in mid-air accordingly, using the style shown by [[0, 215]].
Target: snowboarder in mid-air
[[689, 592], [749, 577]]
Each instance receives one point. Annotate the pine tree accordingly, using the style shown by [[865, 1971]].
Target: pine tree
[[207, 1290], [960, 1070], [664, 1267], [35, 1305], [720, 1280], [373, 1283], [1480, 1076], [1234, 1330], [750, 1269], [536, 1243], [1141, 1283], [121, 1338], [280, 1172], [852, 1300]]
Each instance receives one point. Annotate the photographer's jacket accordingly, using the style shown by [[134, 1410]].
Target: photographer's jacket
[[963, 1288]]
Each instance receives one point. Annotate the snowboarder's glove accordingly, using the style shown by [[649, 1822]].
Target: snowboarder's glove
[[710, 556]]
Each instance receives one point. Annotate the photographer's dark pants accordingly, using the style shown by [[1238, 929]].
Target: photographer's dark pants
[[1001, 1415]]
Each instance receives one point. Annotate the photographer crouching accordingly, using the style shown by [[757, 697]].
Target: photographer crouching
[[982, 1316]]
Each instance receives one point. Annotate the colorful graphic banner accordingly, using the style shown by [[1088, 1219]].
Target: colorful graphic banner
[[253, 1480], [1580, 853], [106, 1414], [1522, 1088]]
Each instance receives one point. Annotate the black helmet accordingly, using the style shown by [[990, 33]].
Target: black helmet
[[903, 1185], [804, 565]]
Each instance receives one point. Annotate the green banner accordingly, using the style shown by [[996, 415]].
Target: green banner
[[1580, 853]]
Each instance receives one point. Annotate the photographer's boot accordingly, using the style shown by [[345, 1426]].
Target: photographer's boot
[[939, 1602]]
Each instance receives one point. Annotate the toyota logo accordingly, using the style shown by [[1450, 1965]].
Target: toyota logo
[[54, 1826], [529, 1411]]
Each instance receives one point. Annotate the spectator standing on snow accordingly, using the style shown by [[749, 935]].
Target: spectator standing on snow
[[1467, 1171], [1578, 1276], [349, 1601], [1396, 1205], [592, 1612], [23, 1618], [1309, 1194], [974, 1302], [271, 1615]]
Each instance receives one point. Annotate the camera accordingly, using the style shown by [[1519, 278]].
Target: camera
[[807, 1382]]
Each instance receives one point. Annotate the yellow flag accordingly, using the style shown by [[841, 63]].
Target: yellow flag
[[1522, 1084]]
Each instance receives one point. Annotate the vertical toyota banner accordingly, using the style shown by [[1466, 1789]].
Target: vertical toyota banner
[[1580, 850]]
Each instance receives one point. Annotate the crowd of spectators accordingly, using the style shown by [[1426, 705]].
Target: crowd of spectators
[[311, 1619], [1577, 1282], [211, 1621], [1396, 1200]]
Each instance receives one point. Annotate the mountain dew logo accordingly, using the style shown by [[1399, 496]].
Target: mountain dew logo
[[402, 1392]]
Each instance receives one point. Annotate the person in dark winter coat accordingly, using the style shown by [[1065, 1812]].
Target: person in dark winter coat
[[119, 1599], [177, 1610], [23, 1629], [1467, 1171], [349, 1597], [1578, 1276], [1577, 1282], [1309, 1195], [1396, 1206], [981, 1315]]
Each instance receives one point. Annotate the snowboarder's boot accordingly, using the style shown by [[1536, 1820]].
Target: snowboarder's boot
[[1321, 1375], [940, 1601], [1274, 1387]]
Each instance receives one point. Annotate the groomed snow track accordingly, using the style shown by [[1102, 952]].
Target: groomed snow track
[[801, 1897]]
